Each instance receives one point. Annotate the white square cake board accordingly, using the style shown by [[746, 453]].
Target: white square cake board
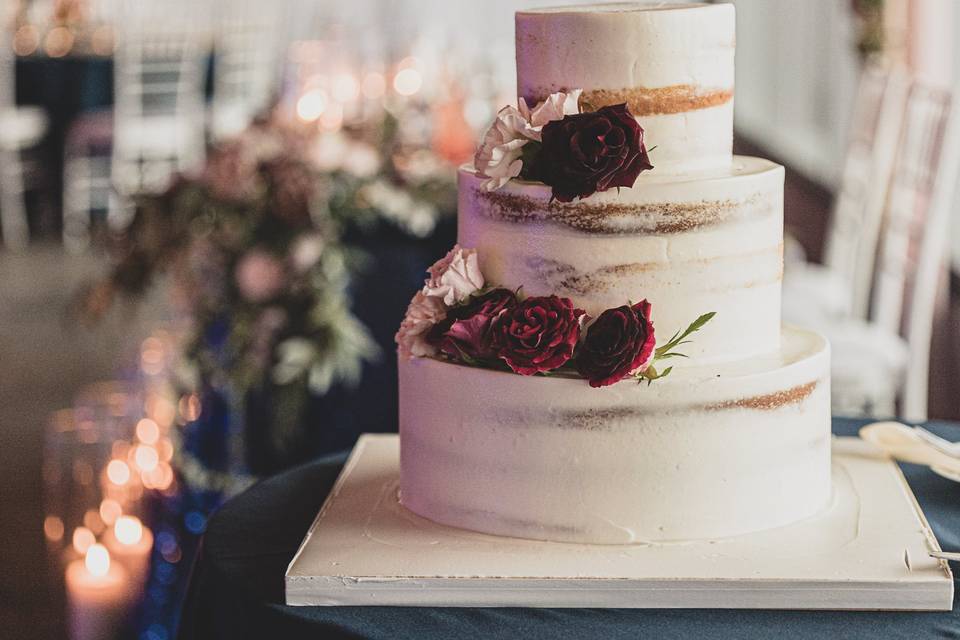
[[868, 550]]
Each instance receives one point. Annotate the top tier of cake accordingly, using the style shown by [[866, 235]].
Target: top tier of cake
[[671, 63]]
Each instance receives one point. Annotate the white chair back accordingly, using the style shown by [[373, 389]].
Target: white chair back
[[7, 68], [854, 230], [913, 246], [159, 79], [14, 226], [245, 65]]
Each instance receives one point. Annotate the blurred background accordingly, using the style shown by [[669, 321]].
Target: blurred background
[[214, 212]]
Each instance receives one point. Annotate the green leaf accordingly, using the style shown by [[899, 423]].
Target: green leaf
[[650, 374], [678, 338], [673, 354]]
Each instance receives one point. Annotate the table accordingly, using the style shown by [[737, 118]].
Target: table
[[237, 587]]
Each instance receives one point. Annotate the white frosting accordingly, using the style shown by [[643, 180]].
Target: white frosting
[[682, 56], [703, 453], [729, 260]]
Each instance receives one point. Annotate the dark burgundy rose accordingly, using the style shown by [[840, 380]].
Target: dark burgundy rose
[[467, 328], [538, 334], [618, 343], [588, 152]]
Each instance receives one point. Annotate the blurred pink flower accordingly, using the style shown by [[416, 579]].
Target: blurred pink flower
[[423, 314], [231, 172], [259, 276]]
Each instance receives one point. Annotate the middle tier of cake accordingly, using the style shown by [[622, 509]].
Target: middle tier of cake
[[688, 244]]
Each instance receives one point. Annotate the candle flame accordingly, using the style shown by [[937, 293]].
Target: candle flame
[[97, 560], [128, 530]]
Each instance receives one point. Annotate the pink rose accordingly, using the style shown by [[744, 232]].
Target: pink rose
[[260, 276], [423, 314], [619, 343], [539, 334], [455, 277]]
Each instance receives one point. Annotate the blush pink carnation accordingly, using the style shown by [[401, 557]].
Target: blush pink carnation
[[423, 314], [260, 277]]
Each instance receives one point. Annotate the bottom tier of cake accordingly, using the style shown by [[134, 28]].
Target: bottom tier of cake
[[705, 453]]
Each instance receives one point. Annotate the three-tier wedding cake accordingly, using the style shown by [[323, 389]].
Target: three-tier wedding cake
[[608, 237]]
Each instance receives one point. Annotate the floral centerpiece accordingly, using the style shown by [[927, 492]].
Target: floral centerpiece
[[253, 246], [258, 272]]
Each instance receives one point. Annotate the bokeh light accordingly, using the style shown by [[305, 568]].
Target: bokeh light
[[97, 560], [118, 472], [148, 432], [128, 530], [311, 105], [53, 528], [407, 81], [83, 539]]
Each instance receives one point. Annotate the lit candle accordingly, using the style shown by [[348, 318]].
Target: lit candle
[[97, 595], [131, 543]]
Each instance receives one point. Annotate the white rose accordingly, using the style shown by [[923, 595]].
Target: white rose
[[423, 314], [555, 107], [455, 277], [498, 157]]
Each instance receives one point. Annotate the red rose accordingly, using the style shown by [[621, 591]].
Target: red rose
[[619, 343], [588, 152], [466, 332], [538, 334]]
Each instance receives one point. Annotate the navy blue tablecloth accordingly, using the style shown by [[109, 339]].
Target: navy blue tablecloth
[[237, 586]]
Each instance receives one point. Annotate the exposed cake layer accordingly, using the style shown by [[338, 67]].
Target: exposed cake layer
[[671, 63], [703, 453], [709, 242]]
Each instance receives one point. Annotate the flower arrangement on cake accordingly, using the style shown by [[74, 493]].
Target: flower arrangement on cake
[[575, 152], [460, 317]]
